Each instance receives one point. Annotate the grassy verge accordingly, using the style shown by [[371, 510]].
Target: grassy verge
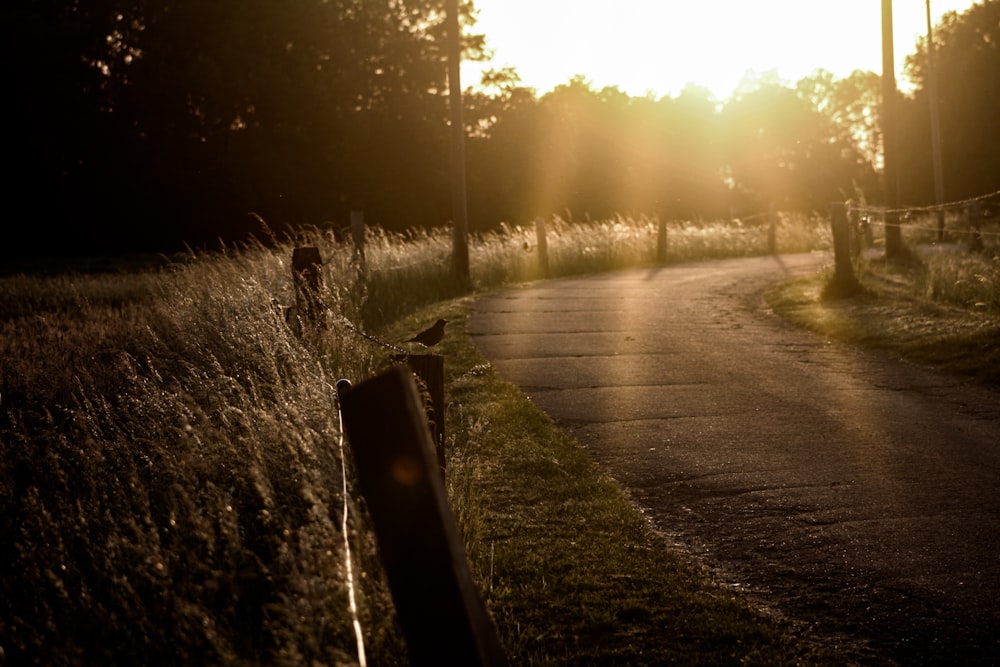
[[923, 312], [572, 570]]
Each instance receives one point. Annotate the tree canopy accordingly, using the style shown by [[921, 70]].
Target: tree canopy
[[967, 67], [145, 125], [137, 122]]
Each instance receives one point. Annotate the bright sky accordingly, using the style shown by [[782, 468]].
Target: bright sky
[[660, 46]]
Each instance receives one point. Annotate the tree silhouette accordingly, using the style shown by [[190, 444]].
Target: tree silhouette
[[781, 149], [967, 58], [139, 123], [142, 125]]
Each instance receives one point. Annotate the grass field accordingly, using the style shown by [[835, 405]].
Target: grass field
[[171, 476]]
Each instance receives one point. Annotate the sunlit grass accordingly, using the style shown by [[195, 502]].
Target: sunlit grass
[[968, 280], [950, 274], [511, 255], [169, 462], [170, 475], [938, 309]]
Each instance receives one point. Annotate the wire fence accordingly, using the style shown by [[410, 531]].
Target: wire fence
[[374, 339], [967, 219], [954, 205]]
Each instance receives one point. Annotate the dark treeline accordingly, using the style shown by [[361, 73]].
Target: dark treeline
[[967, 62], [137, 125]]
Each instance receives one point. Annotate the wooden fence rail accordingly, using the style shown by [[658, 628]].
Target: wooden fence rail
[[440, 609]]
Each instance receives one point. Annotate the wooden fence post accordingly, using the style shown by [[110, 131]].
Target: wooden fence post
[[439, 606], [844, 283], [975, 233], [307, 276], [854, 226], [867, 229], [772, 243], [543, 246], [661, 241]]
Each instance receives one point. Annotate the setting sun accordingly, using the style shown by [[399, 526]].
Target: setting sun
[[660, 47]]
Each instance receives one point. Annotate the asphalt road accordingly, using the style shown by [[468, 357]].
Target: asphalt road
[[844, 489]]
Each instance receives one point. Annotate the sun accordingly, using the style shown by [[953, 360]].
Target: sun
[[647, 45], [661, 46]]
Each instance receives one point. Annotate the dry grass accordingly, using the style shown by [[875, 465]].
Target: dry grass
[[511, 255], [939, 308], [946, 273], [170, 474]]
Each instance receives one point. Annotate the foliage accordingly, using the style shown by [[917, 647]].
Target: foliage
[[780, 149], [139, 125], [967, 71], [594, 153], [168, 121], [852, 104], [963, 271], [170, 475], [968, 280]]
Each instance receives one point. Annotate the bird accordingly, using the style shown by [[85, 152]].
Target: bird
[[432, 336]]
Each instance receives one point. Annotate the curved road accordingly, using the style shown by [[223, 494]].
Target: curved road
[[848, 491]]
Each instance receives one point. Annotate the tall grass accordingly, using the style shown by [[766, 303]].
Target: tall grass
[[511, 254], [967, 280], [947, 272], [169, 467], [170, 476]]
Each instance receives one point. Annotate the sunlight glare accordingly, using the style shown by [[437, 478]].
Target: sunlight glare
[[660, 46]]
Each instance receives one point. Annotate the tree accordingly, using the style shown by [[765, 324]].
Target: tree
[[852, 104], [694, 153], [967, 57], [57, 82], [173, 120], [601, 152], [501, 121], [781, 149], [595, 153]]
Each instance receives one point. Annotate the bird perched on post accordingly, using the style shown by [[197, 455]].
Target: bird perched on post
[[430, 337]]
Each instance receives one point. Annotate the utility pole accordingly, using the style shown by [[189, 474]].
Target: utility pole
[[459, 207], [893, 233], [935, 126]]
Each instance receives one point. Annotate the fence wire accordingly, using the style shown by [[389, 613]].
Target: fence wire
[[931, 208], [374, 339]]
